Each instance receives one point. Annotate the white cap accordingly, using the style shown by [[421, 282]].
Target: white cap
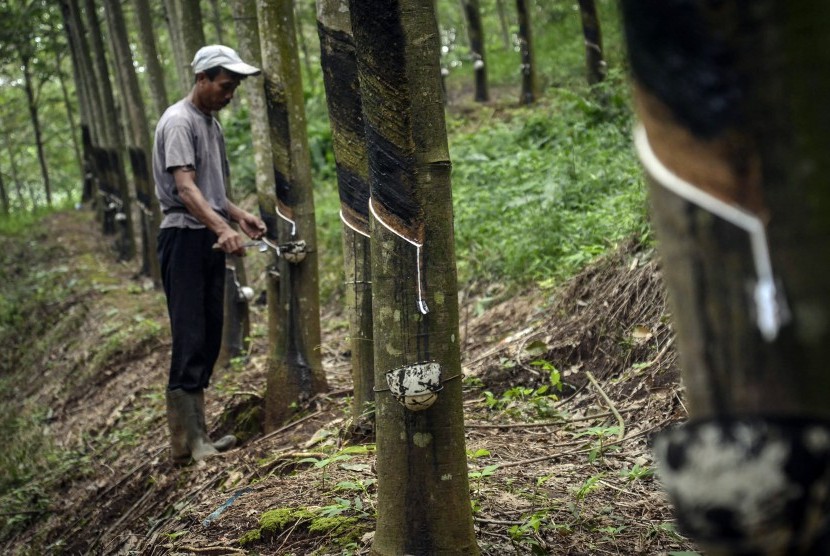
[[218, 55]]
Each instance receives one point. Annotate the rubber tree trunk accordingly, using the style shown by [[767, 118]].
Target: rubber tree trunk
[[236, 323], [296, 371], [147, 42], [475, 31], [299, 14], [90, 184], [111, 161], [34, 117], [594, 59], [70, 116], [735, 147], [177, 23], [18, 183], [91, 125], [86, 68], [85, 101], [192, 31], [423, 491], [100, 179], [4, 196], [104, 178], [78, 79], [504, 26], [339, 64], [216, 21], [138, 142], [525, 38], [236, 327], [248, 45]]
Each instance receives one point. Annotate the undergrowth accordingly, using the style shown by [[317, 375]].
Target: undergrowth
[[540, 192], [45, 306]]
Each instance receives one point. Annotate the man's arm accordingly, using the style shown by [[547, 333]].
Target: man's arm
[[228, 239]]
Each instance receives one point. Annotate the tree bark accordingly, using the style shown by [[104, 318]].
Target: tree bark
[[594, 58], [89, 101], [248, 43], [4, 196], [505, 27], [339, 64], [181, 57], [306, 58], [216, 20], [421, 458], [472, 13], [35, 119], [112, 161], [734, 145], [296, 371], [18, 183], [529, 89], [192, 31], [139, 142], [147, 42], [236, 327], [248, 46], [73, 128]]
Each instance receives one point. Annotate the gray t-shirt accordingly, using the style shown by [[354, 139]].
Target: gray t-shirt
[[187, 137]]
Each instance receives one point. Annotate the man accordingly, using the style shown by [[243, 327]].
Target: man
[[191, 172]]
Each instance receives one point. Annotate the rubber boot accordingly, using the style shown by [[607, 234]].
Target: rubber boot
[[188, 438], [226, 442], [178, 434]]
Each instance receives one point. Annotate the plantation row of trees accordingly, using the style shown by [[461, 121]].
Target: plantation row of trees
[[40, 119], [730, 139], [383, 84]]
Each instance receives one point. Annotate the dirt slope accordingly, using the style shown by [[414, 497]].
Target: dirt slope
[[563, 474]]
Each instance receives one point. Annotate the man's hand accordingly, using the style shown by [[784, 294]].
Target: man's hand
[[231, 242], [252, 225]]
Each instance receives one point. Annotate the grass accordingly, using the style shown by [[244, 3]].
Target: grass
[[545, 190]]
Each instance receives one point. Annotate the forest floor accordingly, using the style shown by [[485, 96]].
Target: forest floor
[[551, 472]]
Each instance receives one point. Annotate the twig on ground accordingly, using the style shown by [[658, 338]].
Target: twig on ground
[[182, 506], [581, 450], [563, 421], [113, 486], [288, 426], [120, 520], [217, 549], [610, 403], [288, 535], [246, 393], [496, 521]]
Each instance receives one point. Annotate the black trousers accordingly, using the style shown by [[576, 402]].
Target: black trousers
[[193, 274]]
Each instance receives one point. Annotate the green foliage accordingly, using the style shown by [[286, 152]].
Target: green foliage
[[590, 485], [32, 468], [22, 222], [343, 455], [545, 191], [525, 536], [600, 436], [637, 472], [486, 471], [525, 402], [343, 522]]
